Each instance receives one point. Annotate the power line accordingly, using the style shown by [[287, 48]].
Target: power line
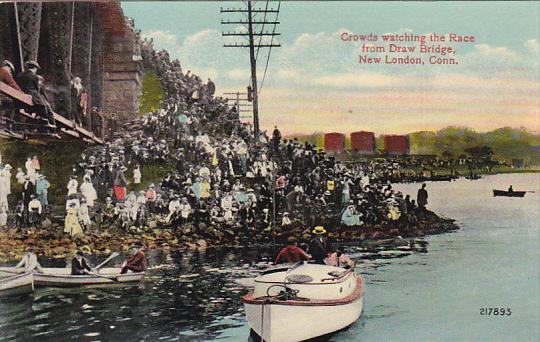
[[270, 50], [252, 32]]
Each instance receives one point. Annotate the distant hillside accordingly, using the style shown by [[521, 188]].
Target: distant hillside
[[507, 142]]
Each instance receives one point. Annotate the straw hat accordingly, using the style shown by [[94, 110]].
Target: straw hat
[[319, 230]]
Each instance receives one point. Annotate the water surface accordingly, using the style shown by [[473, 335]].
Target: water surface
[[427, 294]]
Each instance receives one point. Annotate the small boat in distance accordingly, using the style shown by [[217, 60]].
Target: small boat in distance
[[62, 277], [508, 193], [16, 284], [303, 301]]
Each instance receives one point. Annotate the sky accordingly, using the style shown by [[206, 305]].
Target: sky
[[315, 83]]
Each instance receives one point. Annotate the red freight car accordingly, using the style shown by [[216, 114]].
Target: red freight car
[[334, 142], [396, 144], [363, 142]]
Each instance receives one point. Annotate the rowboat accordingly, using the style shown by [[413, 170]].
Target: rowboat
[[509, 193], [16, 284], [62, 277], [303, 301]]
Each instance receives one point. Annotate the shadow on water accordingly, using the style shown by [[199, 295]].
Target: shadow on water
[[184, 297]]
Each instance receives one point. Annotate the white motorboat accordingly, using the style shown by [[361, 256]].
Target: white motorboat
[[61, 277], [303, 301], [15, 284]]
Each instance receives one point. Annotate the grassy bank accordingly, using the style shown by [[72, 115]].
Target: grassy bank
[[56, 159], [152, 93]]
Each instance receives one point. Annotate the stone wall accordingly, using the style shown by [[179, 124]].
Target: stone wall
[[122, 75], [104, 53]]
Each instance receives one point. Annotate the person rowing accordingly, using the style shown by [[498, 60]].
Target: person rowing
[[137, 262], [291, 253], [29, 261], [79, 265]]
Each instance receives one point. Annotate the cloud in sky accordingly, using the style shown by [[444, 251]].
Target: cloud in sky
[[315, 83]]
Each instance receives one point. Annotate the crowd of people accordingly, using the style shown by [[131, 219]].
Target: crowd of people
[[221, 177], [32, 200], [32, 83]]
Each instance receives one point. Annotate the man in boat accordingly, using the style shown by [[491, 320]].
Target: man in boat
[[318, 246], [79, 265], [136, 262], [29, 261], [291, 253], [510, 189]]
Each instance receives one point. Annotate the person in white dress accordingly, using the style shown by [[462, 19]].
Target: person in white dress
[[29, 167], [137, 175], [174, 205], [84, 216], [72, 185], [19, 176], [3, 216], [5, 185], [88, 191]]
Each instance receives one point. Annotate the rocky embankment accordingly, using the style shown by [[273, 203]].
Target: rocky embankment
[[50, 241]]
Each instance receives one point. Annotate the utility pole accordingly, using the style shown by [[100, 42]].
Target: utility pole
[[253, 31], [253, 63]]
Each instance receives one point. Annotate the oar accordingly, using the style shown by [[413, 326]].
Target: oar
[[112, 256], [113, 278]]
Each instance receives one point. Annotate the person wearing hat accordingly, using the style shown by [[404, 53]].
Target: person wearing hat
[[291, 253], [137, 262], [79, 265], [28, 189], [6, 76], [88, 191], [42, 184], [78, 107], [28, 80], [72, 185], [318, 246], [285, 220], [349, 217], [120, 184], [35, 211], [71, 222], [29, 261], [84, 215]]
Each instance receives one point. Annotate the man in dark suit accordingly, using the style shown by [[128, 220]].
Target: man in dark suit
[[28, 191], [318, 246], [28, 81]]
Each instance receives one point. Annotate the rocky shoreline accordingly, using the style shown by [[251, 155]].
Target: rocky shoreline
[[53, 243]]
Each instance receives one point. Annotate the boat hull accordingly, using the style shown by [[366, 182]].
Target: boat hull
[[508, 193], [61, 277], [17, 284], [302, 318], [284, 323]]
